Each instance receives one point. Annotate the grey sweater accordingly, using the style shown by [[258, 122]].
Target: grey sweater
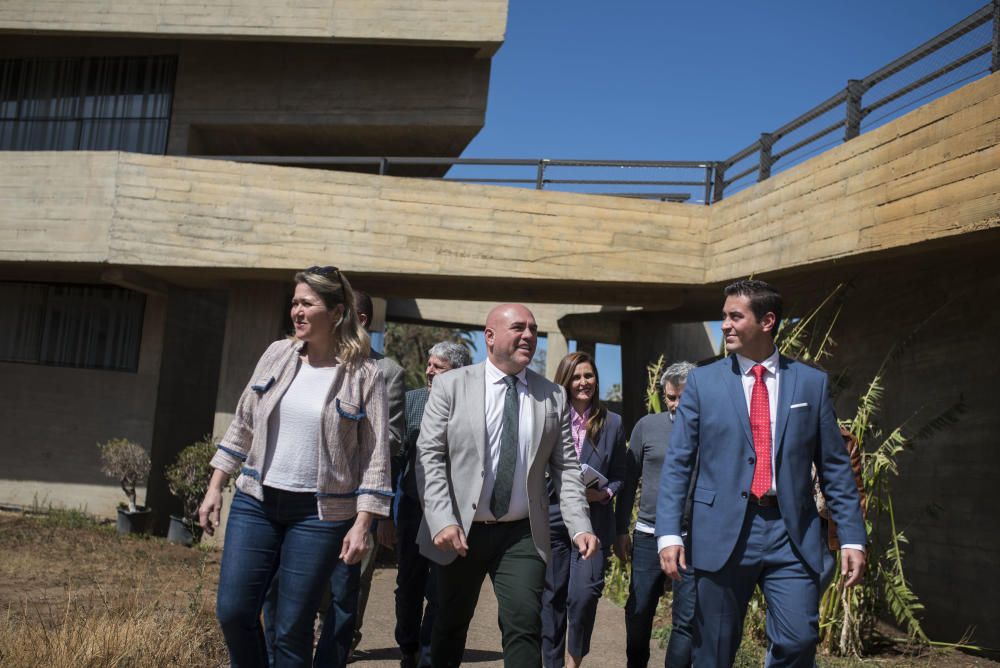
[[646, 450]]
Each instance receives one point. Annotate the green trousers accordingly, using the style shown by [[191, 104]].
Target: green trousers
[[506, 552]]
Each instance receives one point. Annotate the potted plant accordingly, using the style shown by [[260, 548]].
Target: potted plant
[[128, 463], [188, 479]]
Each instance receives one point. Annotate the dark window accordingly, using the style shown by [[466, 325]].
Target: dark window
[[86, 104], [89, 326]]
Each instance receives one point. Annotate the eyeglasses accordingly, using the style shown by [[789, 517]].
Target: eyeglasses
[[323, 271]]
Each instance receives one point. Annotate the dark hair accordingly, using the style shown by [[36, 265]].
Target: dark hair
[[764, 298], [564, 376], [363, 303]]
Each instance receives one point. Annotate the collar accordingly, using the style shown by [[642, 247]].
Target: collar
[[579, 417], [495, 375], [770, 364]]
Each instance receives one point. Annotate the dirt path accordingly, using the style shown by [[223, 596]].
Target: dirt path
[[378, 648]]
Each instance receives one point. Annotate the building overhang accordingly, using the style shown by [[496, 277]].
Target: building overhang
[[478, 24], [928, 182]]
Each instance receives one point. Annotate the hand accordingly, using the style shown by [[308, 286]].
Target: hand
[[587, 543], [672, 561], [210, 511], [386, 533], [452, 539], [852, 566], [622, 547], [596, 495], [356, 543]]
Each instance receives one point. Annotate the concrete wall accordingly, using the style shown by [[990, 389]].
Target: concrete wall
[[53, 418], [420, 21], [945, 494], [269, 98], [932, 174]]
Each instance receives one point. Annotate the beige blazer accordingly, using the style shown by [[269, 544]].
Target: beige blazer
[[451, 452]]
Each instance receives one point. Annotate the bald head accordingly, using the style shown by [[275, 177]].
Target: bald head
[[511, 337]]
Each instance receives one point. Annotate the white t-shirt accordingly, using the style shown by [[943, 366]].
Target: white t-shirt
[[294, 429]]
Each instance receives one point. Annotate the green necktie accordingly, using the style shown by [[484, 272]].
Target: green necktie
[[500, 501]]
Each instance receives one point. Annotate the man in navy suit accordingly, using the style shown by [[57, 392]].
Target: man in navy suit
[[757, 422]]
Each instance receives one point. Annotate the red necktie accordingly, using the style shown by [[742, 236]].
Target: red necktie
[[760, 427]]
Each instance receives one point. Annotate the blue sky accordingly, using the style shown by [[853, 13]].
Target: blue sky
[[669, 80]]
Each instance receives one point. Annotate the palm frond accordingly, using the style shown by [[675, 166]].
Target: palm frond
[[902, 602]]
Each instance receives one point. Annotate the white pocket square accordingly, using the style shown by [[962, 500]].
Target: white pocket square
[[802, 405]]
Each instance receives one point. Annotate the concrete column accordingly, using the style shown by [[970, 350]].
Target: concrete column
[[645, 337], [558, 346], [589, 347], [186, 389], [257, 315]]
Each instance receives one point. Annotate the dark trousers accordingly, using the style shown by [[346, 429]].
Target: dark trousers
[[415, 581], [573, 586], [646, 586], [284, 537], [506, 552], [763, 555]]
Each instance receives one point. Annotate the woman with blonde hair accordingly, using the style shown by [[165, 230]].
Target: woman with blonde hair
[[310, 444], [573, 585]]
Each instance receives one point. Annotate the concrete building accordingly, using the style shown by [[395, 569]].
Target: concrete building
[[95, 348], [138, 285]]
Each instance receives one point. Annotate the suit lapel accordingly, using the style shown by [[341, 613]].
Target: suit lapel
[[475, 390], [734, 383], [787, 377], [537, 414]]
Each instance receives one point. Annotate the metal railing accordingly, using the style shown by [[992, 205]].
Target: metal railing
[[977, 55], [535, 172], [965, 51]]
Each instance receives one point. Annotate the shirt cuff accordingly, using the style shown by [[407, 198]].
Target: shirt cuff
[[668, 541], [578, 533], [852, 546]]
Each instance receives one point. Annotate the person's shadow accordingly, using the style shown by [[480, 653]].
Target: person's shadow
[[392, 654]]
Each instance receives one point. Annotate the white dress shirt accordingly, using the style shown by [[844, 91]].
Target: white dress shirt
[[496, 391]]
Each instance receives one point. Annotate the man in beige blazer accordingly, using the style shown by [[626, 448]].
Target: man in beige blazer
[[490, 435]]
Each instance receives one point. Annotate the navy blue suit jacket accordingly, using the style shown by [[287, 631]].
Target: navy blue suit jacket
[[609, 456], [713, 421]]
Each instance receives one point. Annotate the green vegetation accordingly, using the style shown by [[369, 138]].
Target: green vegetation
[[126, 462]]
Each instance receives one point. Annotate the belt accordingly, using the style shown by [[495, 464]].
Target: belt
[[495, 522], [766, 501]]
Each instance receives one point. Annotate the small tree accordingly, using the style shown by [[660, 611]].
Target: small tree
[[126, 462], [188, 476]]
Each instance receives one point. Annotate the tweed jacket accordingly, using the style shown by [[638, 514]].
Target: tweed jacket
[[353, 471]]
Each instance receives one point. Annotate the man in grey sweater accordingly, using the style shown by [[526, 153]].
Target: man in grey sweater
[[647, 448]]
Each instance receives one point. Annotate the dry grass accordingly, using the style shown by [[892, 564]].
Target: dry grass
[[76, 594], [118, 632]]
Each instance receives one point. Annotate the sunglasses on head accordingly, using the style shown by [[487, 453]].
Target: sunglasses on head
[[323, 271]]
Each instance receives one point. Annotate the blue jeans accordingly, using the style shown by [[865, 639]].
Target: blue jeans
[[336, 639], [646, 586], [281, 536]]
